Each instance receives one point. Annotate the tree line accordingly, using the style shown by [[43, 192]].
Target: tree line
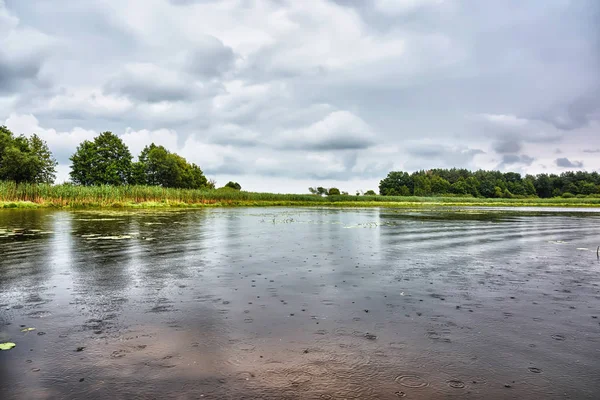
[[489, 184], [105, 160]]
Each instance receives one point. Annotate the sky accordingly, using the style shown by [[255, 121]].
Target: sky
[[280, 95]]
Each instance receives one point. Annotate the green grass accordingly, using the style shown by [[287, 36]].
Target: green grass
[[41, 195]]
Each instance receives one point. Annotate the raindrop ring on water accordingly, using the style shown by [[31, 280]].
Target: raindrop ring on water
[[412, 381]]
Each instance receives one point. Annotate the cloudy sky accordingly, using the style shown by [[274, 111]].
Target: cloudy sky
[[280, 95]]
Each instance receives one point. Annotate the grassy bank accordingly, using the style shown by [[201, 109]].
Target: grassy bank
[[60, 196]]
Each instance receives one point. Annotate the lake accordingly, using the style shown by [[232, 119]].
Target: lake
[[273, 303]]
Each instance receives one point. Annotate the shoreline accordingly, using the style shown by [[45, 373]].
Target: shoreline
[[536, 203]]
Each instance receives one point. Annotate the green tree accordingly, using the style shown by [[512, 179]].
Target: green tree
[[529, 186], [422, 185], [46, 172], [6, 140], [233, 185], [390, 186], [333, 192], [156, 166], [498, 192], [588, 188], [25, 159], [460, 187], [370, 193], [439, 185], [104, 161], [543, 186], [487, 186]]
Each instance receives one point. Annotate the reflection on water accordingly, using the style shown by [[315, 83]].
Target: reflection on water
[[299, 304]]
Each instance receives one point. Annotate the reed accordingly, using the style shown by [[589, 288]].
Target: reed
[[67, 195]]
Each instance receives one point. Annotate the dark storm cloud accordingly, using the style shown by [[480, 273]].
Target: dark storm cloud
[[331, 144], [578, 113], [15, 72], [507, 146], [511, 159], [434, 150], [566, 163]]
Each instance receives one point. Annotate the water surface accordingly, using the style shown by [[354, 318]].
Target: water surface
[[300, 304]]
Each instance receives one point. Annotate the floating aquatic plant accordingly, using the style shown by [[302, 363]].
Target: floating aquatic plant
[[7, 346]]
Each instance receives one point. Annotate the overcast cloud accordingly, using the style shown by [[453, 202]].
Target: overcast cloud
[[280, 95]]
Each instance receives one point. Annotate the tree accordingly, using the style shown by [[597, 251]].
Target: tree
[[333, 192], [528, 185], [439, 185], [543, 186], [588, 188], [6, 140], [104, 161], [25, 159], [422, 185], [233, 185], [156, 166], [312, 190], [390, 186], [459, 187], [46, 172], [370, 193], [321, 191]]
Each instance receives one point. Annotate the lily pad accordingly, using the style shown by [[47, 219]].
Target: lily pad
[[7, 346], [27, 329]]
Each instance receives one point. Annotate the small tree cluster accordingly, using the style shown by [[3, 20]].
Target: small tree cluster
[[106, 160], [233, 185], [321, 191], [156, 166], [24, 159]]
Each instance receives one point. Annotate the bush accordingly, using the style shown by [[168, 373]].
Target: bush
[[233, 185], [333, 192], [567, 195]]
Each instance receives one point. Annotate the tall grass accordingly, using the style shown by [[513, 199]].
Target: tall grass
[[66, 195]]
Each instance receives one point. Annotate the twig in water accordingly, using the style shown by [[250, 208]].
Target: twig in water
[[598, 252]]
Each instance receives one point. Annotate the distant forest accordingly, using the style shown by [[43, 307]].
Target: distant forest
[[489, 184]]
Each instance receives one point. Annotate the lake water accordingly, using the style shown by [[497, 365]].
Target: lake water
[[300, 304]]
